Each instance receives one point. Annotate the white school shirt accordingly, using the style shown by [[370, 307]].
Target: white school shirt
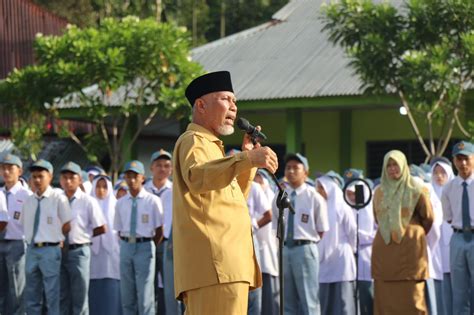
[[435, 263], [167, 201], [446, 229], [336, 260], [149, 214], [87, 216], [55, 212], [367, 231], [257, 203], [452, 201], [16, 196], [105, 258], [311, 215], [4, 217]]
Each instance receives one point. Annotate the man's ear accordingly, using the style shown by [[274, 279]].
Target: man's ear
[[200, 105]]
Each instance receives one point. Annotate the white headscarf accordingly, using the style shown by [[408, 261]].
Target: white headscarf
[[109, 239], [335, 202], [449, 171]]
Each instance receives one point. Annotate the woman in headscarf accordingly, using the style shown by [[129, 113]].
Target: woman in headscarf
[[104, 289], [337, 271], [403, 212], [442, 173]]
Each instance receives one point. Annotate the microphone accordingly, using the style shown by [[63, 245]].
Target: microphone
[[244, 125]]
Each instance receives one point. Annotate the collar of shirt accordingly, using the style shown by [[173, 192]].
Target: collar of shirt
[[155, 190], [298, 190], [47, 193], [460, 180], [140, 195], [14, 189], [77, 195], [200, 130]]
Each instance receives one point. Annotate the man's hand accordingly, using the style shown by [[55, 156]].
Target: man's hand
[[264, 157]]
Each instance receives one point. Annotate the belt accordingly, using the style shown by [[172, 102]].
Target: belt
[[301, 242], [461, 230], [45, 244], [136, 239], [76, 246]]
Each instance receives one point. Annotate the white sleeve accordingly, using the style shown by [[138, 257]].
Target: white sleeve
[[447, 211], [64, 210], [117, 219], [158, 212], [321, 215], [96, 215], [3, 208]]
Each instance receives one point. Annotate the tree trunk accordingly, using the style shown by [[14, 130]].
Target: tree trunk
[[159, 8], [195, 18], [222, 33]]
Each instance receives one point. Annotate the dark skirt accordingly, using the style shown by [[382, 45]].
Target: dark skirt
[[104, 297]]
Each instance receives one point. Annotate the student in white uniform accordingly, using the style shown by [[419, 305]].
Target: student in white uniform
[[303, 230], [260, 215], [12, 241], [87, 222], [104, 289], [458, 208], [433, 288], [268, 244], [45, 218], [366, 230], [139, 221], [442, 173], [161, 168], [337, 262]]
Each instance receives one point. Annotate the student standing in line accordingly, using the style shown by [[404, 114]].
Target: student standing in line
[[45, 218], [87, 222], [104, 289], [304, 229], [458, 209], [160, 167], [267, 239], [337, 262], [139, 221], [442, 173], [12, 241]]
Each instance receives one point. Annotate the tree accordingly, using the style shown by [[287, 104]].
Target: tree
[[423, 51], [118, 76]]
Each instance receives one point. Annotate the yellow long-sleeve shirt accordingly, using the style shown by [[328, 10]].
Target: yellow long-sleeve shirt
[[212, 234]]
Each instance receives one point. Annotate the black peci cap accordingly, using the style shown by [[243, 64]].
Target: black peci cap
[[208, 83]]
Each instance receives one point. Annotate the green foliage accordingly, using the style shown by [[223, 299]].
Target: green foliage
[[422, 50], [121, 69], [201, 17]]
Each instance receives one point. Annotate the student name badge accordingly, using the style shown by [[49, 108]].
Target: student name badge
[[145, 218], [304, 218], [49, 220], [16, 215]]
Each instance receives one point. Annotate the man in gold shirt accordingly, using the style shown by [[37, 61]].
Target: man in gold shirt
[[214, 259]]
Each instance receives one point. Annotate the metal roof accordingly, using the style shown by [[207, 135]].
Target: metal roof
[[288, 57]]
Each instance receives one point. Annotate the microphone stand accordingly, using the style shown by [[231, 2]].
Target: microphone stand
[[282, 203]]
